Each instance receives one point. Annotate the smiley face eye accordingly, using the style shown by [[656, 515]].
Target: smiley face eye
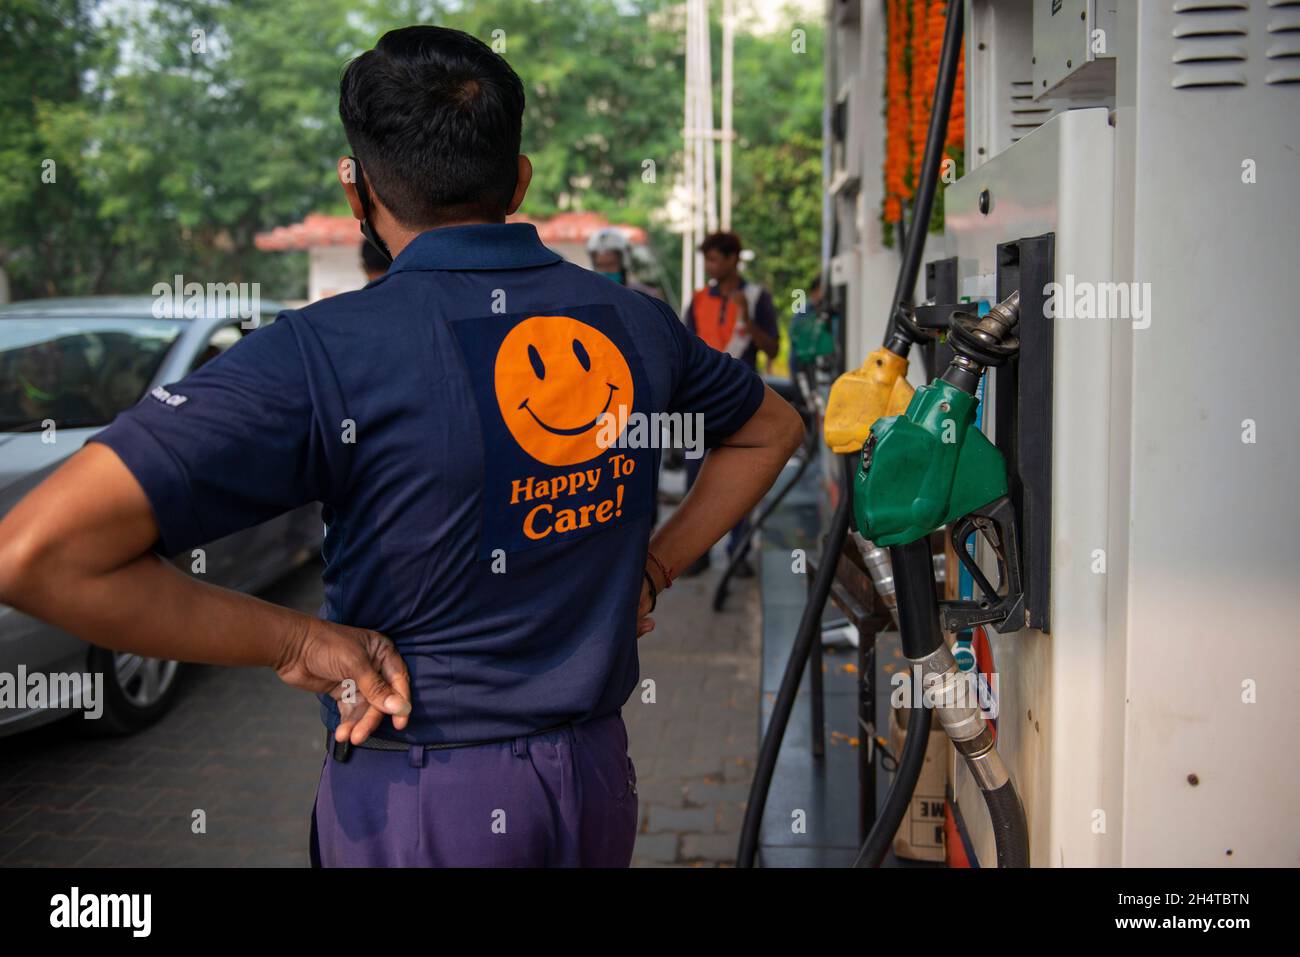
[[536, 360], [580, 351]]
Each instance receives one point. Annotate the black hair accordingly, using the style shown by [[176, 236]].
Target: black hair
[[435, 117], [726, 243]]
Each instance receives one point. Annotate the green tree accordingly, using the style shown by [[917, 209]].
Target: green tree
[[181, 128], [50, 228]]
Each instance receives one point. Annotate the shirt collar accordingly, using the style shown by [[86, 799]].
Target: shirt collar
[[476, 246], [715, 291]]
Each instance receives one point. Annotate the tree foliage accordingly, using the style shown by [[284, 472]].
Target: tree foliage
[[178, 129]]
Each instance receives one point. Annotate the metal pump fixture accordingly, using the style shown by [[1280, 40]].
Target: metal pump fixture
[[922, 470], [878, 388]]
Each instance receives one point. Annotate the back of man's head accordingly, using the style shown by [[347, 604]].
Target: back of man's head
[[435, 117]]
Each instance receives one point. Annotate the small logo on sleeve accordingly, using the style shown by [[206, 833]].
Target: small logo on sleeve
[[169, 398]]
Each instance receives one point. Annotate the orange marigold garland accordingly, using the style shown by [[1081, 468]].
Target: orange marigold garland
[[897, 153], [914, 40]]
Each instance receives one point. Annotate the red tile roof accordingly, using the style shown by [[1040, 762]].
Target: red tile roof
[[321, 230], [316, 230], [576, 227]]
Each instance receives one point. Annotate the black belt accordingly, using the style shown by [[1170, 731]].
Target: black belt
[[342, 750]]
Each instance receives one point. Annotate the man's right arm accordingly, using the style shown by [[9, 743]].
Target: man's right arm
[[733, 479]]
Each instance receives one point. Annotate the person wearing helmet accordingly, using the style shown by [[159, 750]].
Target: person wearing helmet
[[610, 254]]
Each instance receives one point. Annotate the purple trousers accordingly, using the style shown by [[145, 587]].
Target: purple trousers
[[566, 798]]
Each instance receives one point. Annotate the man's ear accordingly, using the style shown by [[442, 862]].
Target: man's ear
[[348, 180], [521, 185]]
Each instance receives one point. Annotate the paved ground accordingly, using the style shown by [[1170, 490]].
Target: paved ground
[[241, 756], [694, 748]]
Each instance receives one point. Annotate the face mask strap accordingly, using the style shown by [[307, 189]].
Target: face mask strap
[[363, 194]]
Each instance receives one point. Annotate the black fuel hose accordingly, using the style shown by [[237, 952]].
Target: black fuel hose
[[913, 569], [898, 341], [919, 630], [1010, 828], [810, 630], [920, 634], [876, 846]]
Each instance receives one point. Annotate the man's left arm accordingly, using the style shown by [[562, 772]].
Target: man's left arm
[[77, 551]]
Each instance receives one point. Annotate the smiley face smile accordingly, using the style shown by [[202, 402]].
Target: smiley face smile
[[549, 373], [580, 429]]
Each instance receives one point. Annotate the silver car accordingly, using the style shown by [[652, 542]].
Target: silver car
[[73, 364]]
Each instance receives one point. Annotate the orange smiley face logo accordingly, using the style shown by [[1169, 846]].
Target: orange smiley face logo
[[556, 378]]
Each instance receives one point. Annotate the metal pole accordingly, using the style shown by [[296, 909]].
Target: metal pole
[[688, 163], [698, 192], [728, 45], [706, 95]]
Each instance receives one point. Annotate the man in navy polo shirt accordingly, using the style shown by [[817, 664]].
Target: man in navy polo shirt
[[489, 558]]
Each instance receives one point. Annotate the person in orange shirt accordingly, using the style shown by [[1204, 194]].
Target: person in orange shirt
[[736, 317]]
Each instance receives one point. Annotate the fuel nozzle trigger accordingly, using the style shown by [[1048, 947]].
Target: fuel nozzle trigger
[[1001, 606]]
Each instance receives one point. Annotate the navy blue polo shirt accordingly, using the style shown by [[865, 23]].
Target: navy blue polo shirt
[[469, 423]]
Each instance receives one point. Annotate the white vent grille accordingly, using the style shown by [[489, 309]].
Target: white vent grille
[[1283, 43], [1210, 44], [1026, 114]]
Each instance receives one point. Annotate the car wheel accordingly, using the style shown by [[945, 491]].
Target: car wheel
[[137, 690]]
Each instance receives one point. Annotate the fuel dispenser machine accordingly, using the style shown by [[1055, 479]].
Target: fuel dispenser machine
[[1132, 186]]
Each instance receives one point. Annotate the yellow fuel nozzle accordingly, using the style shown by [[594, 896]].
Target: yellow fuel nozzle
[[877, 389]]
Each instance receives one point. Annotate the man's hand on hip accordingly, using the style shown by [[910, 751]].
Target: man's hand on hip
[[358, 668]]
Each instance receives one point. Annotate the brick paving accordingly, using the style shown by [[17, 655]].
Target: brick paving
[[227, 778], [694, 747], [240, 755]]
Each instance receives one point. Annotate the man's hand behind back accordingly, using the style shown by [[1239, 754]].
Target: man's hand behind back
[[360, 669]]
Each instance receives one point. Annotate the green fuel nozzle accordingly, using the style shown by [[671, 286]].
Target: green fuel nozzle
[[932, 466], [926, 467], [811, 337]]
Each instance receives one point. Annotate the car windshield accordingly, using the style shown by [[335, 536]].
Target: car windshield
[[77, 372]]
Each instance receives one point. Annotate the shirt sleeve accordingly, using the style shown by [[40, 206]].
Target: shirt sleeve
[[690, 317], [721, 389], [232, 444]]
